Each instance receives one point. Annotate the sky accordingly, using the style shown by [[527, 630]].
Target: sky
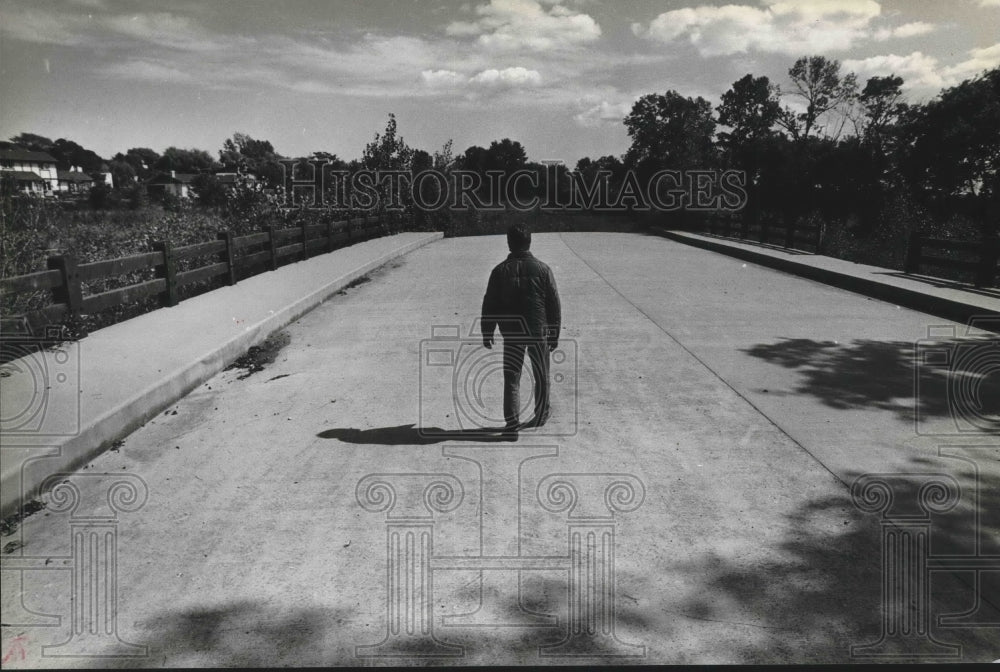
[[323, 75]]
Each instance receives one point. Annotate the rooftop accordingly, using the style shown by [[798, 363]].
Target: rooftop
[[25, 155]]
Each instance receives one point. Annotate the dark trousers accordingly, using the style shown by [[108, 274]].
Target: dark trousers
[[513, 361]]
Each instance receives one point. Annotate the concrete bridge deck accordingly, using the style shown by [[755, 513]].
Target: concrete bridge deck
[[730, 406]]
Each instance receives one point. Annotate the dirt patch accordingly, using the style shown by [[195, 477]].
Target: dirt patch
[[10, 524], [354, 283], [259, 356]]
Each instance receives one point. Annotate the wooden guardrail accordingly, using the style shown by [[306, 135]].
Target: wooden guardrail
[[796, 236], [229, 257], [977, 258]]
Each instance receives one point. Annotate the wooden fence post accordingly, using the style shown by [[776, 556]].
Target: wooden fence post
[[168, 271], [988, 254], [227, 256], [304, 236], [329, 235], [272, 248], [912, 263], [70, 291]]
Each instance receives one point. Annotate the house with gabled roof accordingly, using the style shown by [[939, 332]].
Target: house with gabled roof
[[178, 184], [74, 181], [34, 172]]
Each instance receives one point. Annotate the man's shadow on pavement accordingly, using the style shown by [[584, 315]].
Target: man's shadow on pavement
[[411, 435]]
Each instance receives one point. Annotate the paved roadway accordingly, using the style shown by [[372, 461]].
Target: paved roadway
[[734, 405]]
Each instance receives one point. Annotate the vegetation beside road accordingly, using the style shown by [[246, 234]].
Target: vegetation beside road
[[860, 162]]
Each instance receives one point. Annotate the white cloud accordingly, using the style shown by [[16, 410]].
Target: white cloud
[[989, 3], [161, 29], [912, 29], [35, 26], [603, 113], [985, 58], [511, 25], [164, 29], [147, 71], [920, 70], [785, 26], [917, 69], [443, 78], [514, 77]]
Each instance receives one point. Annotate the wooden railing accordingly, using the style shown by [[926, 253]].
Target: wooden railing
[[229, 258], [798, 236], [976, 258]]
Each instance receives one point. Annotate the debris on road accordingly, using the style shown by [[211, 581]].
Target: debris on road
[[260, 355], [354, 283], [9, 524], [11, 547]]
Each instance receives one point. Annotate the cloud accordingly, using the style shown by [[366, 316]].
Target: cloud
[[989, 3], [516, 77], [985, 58], [510, 25], [68, 29], [917, 69], [442, 78], [510, 77], [164, 29], [603, 113], [781, 26], [147, 71], [912, 29], [34, 26], [920, 70]]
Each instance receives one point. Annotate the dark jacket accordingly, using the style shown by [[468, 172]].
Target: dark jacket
[[522, 287]]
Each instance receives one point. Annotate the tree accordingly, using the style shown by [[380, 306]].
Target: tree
[[475, 158], [185, 160], [142, 160], [750, 109], [68, 154], [36, 143], [506, 155], [122, 173], [444, 159], [209, 190], [950, 148], [387, 151], [245, 154], [241, 147], [670, 131], [817, 82], [881, 105]]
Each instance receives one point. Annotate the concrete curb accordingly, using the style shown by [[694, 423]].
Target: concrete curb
[[950, 309], [99, 434]]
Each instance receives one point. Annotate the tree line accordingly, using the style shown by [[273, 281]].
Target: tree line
[[858, 159]]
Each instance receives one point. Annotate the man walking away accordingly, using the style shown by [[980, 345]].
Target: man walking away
[[522, 300]]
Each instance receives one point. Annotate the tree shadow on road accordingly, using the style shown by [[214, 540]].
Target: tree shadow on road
[[822, 593], [244, 633], [411, 435], [251, 633], [957, 378]]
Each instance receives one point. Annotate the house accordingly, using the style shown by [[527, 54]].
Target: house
[[74, 181], [230, 180], [103, 175], [178, 184], [35, 172]]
